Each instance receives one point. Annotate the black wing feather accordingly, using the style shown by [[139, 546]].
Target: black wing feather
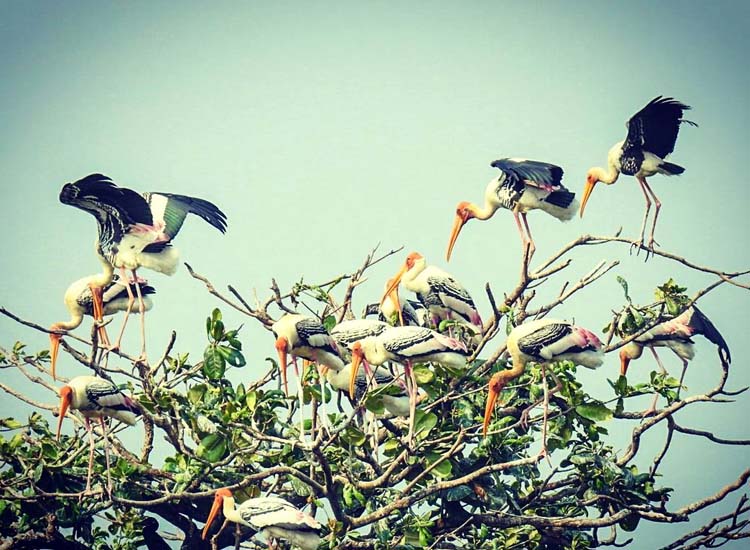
[[542, 173], [654, 128], [704, 326], [193, 205]]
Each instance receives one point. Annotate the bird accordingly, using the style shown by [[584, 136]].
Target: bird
[[675, 334], [272, 517], [135, 230], [393, 310], [95, 397], [442, 295], [407, 345], [543, 341], [80, 301], [396, 403], [522, 185], [652, 134]]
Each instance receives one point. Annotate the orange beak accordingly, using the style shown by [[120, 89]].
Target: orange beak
[[393, 295], [586, 194], [624, 364], [281, 345], [357, 358], [458, 223], [218, 501], [494, 388], [54, 349], [66, 398], [393, 288]]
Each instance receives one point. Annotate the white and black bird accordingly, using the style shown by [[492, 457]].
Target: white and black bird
[[347, 332], [80, 301], [95, 397], [652, 134], [393, 310], [272, 517], [442, 295], [135, 230], [396, 403], [676, 334], [522, 185], [543, 341], [407, 345]]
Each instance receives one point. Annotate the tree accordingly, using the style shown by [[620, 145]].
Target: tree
[[455, 489]]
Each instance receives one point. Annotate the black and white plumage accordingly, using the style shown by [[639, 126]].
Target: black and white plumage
[[544, 341], [676, 334], [135, 230], [79, 299], [522, 185], [395, 403], [442, 295], [272, 517], [652, 134], [347, 332], [95, 397], [393, 310]]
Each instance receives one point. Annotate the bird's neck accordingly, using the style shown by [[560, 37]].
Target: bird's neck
[[632, 350], [515, 371], [76, 318], [230, 512], [606, 176], [106, 276], [340, 379], [485, 211]]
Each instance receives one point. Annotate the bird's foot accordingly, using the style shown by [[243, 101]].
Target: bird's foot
[[651, 411], [523, 420], [637, 246]]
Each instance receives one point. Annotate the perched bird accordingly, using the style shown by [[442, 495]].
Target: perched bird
[[95, 397], [80, 301], [675, 334], [407, 345], [301, 336], [522, 185], [347, 332], [442, 295], [393, 310], [544, 341], [397, 404], [135, 230], [652, 133], [272, 517]]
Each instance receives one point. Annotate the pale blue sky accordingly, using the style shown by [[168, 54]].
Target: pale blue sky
[[324, 128]]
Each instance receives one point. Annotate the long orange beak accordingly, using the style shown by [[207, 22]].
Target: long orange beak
[[493, 391], [393, 287], [357, 358], [66, 398], [458, 223], [586, 194], [54, 349], [218, 501], [624, 364], [393, 295], [281, 345]]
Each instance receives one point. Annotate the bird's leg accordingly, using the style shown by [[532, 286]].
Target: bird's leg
[[98, 306], [639, 243], [106, 455], [657, 207], [682, 376], [525, 244], [325, 422], [658, 361], [142, 311], [532, 246], [91, 455], [544, 413], [131, 301], [524, 419], [301, 398], [411, 387]]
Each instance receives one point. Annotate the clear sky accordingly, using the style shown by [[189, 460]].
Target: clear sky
[[324, 128]]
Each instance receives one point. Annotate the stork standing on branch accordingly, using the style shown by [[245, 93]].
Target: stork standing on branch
[[135, 230], [522, 185], [79, 300], [652, 134], [272, 517], [95, 397], [675, 334], [544, 341]]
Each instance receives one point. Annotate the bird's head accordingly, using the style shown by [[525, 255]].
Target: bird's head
[[66, 399], [219, 497], [358, 358], [593, 176], [496, 385], [282, 348], [464, 212], [628, 352]]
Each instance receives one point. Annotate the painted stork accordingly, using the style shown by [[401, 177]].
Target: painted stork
[[393, 310], [347, 332], [95, 397], [397, 405], [442, 295], [675, 334], [79, 300], [652, 133], [522, 185], [407, 345], [272, 517], [544, 341], [136, 230]]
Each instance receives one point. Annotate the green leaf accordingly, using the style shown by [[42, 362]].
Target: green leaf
[[423, 423], [195, 393], [213, 363], [594, 411], [216, 315], [217, 330], [443, 469], [251, 399], [10, 423], [232, 356], [391, 447], [624, 285], [213, 448], [329, 322], [423, 374], [629, 522]]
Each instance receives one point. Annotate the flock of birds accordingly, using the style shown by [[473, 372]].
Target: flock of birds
[[136, 231]]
